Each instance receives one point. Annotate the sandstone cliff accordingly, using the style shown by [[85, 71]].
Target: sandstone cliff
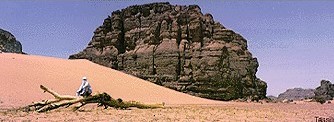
[[177, 47], [324, 92], [8, 43]]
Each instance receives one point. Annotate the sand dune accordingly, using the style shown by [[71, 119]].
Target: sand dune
[[21, 75]]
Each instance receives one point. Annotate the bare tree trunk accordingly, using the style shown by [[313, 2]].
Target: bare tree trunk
[[102, 99]]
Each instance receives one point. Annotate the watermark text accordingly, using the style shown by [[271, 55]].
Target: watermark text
[[324, 119]]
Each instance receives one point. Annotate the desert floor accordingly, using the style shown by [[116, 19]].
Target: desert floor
[[231, 111]]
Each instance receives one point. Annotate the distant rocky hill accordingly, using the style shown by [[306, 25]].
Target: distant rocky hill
[[178, 47], [296, 94], [325, 91], [8, 43]]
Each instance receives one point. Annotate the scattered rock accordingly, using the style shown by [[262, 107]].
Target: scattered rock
[[8, 43], [287, 101], [272, 98], [177, 47], [329, 102]]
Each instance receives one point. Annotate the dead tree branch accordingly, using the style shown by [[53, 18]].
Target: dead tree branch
[[102, 99]]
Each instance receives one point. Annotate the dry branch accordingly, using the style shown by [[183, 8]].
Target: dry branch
[[102, 99], [56, 95]]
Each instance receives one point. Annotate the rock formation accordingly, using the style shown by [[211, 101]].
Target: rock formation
[[272, 98], [8, 43], [325, 91], [296, 94], [177, 47]]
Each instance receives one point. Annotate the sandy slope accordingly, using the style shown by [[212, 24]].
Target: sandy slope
[[21, 75]]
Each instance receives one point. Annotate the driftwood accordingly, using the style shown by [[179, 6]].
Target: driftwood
[[102, 99]]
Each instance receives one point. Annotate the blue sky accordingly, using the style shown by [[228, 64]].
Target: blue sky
[[293, 40]]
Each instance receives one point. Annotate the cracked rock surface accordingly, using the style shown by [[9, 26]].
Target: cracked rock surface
[[178, 47]]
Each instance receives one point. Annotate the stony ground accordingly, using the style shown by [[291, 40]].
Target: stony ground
[[229, 112]]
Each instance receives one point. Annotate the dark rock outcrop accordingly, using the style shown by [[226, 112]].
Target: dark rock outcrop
[[177, 47], [296, 94], [8, 43], [325, 91]]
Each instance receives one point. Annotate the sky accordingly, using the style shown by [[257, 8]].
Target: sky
[[292, 40]]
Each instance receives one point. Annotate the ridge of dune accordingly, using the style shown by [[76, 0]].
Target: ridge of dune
[[21, 75]]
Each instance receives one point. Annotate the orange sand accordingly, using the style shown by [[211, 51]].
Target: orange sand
[[21, 75]]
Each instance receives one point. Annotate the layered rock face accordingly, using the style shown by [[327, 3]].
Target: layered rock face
[[296, 94], [177, 47], [8, 43], [325, 91]]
